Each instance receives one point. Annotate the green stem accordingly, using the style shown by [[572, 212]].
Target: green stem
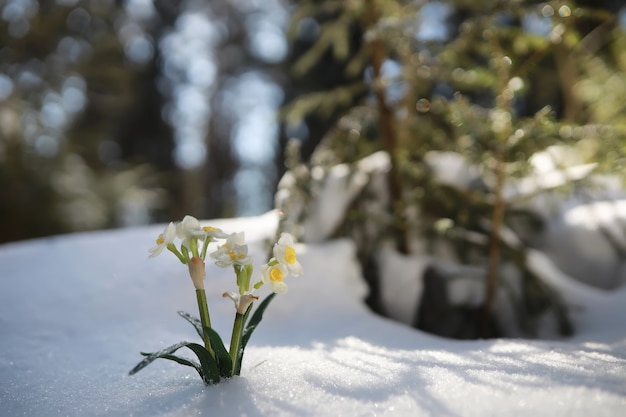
[[185, 254], [247, 271], [205, 246], [237, 269], [204, 318], [175, 251], [193, 243], [235, 342]]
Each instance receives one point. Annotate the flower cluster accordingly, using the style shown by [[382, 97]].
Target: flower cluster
[[231, 251]]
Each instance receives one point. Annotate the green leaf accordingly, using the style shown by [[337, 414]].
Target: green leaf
[[210, 371], [207, 369], [179, 360], [186, 362], [224, 361], [151, 357], [183, 361], [195, 322]]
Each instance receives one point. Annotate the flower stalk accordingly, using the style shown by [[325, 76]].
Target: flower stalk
[[235, 341], [205, 318]]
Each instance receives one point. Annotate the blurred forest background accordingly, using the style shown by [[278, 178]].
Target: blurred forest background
[[125, 112]]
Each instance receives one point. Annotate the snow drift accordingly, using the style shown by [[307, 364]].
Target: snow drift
[[76, 310]]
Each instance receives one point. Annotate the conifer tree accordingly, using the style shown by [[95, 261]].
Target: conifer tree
[[494, 82]]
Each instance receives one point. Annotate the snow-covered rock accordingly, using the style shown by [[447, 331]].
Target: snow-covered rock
[[340, 186], [588, 242]]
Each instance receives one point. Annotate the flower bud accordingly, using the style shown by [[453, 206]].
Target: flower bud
[[197, 272]]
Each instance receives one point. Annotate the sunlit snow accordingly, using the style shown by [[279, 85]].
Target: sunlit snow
[[75, 311]]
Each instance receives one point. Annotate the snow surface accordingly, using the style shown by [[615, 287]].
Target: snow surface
[[75, 311]]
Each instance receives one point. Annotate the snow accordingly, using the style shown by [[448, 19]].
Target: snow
[[75, 311], [339, 188], [595, 231]]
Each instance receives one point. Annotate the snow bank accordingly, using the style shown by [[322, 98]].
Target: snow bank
[[75, 311]]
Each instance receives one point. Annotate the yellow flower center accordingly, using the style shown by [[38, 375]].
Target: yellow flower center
[[276, 275], [290, 255], [160, 240], [235, 255], [209, 229]]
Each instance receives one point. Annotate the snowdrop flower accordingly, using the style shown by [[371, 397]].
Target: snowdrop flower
[[189, 231], [211, 234], [274, 273], [242, 302], [286, 254], [214, 232], [188, 227], [166, 238], [234, 251]]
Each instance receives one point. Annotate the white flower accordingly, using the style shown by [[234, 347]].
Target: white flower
[[274, 275], [215, 233], [164, 239], [286, 254], [234, 251], [189, 229], [242, 302]]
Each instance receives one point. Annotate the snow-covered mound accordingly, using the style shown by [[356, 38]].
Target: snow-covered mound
[[75, 312]]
